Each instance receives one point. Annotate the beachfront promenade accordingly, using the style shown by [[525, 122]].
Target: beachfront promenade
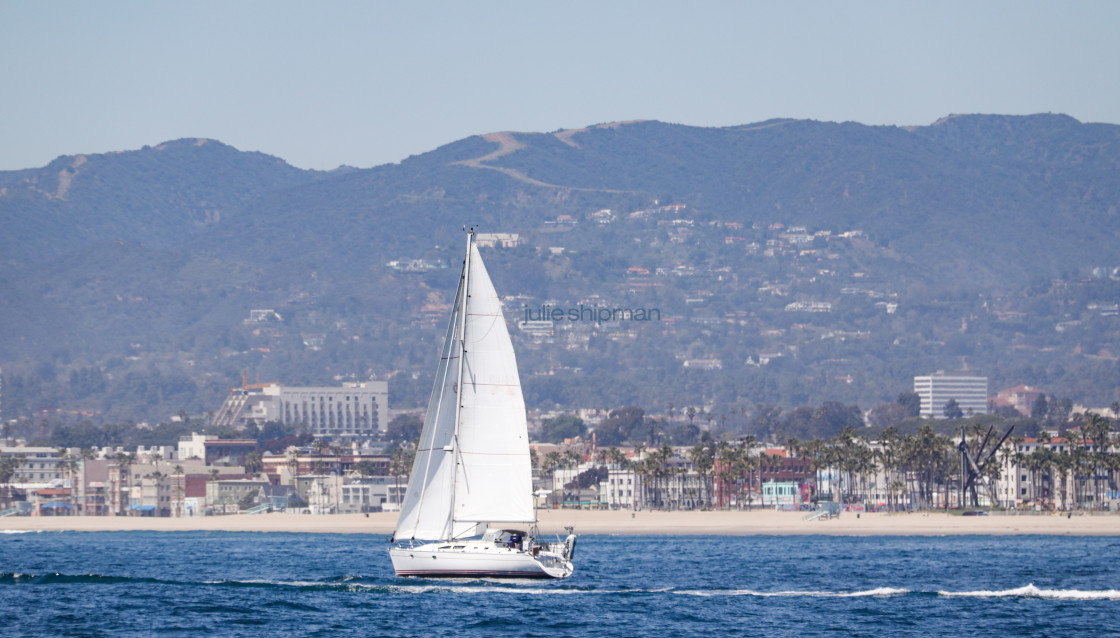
[[618, 522]]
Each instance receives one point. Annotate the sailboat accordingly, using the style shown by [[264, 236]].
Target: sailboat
[[469, 509]]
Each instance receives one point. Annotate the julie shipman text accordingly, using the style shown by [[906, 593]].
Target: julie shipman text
[[590, 313]]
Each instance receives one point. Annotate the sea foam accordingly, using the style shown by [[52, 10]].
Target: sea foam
[[1030, 591]]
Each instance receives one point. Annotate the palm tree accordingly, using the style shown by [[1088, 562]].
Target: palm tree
[[180, 487], [1040, 461], [253, 462], [124, 461], [845, 446], [68, 463], [9, 465], [745, 465], [917, 458], [702, 457], [864, 464], [727, 457], [399, 466], [652, 467], [813, 451], [85, 454], [547, 466], [890, 442], [1099, 433], [293, 462], [664, 471], [767, 464]]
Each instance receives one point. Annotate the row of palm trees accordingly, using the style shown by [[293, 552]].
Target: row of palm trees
[[1077, 470], [899, 470]]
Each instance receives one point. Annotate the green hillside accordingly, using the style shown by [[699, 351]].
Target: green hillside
[[815, 261]]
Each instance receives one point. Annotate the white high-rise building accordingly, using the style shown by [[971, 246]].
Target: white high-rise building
[[353, 410], [935, 390]]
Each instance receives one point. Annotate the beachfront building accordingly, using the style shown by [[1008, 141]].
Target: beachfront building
[[309, 461], [188, 494], [622, 489], [37, 465], [936, 390], [781, 494], [212, 450], [1036, 474], [227, 495], [351, 411], [372, 494]]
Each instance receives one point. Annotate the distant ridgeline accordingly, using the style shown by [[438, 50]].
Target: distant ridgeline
[[803, 261]]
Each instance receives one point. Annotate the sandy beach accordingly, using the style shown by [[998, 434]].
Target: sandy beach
[[617, 522]]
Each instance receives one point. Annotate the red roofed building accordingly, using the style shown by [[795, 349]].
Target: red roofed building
[[1020, 397]]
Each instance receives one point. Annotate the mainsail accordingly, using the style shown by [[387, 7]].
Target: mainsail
[[426, 511], [472, 466]]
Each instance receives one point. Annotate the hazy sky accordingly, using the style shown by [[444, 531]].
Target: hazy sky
[[321, 84]]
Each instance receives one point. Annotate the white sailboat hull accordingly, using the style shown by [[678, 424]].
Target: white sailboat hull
[[478, 560]]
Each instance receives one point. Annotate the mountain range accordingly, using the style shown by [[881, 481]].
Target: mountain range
[[138, 269]]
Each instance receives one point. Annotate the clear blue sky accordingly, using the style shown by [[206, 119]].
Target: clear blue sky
[[321, 84]]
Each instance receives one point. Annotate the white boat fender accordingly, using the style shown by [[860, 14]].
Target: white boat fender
[[569, 547]]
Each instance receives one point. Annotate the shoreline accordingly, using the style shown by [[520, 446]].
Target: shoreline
[[621, 522]]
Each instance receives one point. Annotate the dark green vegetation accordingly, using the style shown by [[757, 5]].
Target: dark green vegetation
[[989, 242]]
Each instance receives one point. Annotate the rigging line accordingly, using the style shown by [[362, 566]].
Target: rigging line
[[437, 393]]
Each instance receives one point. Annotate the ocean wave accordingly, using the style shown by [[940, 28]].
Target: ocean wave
[[21, 531], [881, 592], [355, 584], [1030, 591], [54, 578]]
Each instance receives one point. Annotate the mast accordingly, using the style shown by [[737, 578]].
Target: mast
[[455, 457]]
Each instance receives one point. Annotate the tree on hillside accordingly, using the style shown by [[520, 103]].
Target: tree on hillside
[[1040, 409], [952, 410], [911, 402], [404, 428], [887, 415], [833, 417], [565, 426], [622, 425]]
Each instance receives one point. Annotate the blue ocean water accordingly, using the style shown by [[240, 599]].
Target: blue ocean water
[[279, 584]]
